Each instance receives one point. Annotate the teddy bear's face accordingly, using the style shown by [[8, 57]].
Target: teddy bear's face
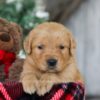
[[6, 40], [10, 36]]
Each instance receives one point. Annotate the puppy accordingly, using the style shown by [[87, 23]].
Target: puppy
[[50, 59]]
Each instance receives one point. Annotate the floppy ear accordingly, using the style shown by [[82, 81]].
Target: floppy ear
[[28, 43], [72, 46]]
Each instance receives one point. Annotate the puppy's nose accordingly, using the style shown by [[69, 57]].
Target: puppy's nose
[[51, 62]]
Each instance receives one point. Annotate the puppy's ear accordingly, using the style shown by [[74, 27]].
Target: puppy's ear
[[72, 46], [28, 43]]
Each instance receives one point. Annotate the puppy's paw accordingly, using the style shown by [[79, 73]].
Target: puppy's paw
[[44, 87], [29, 86]]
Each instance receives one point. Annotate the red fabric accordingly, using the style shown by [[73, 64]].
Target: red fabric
[[69, 97], [4, 92], [10, 90], [7, 58], [64, 91]]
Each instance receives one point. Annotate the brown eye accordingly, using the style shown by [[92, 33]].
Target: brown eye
[[40, 47], [61, 47]]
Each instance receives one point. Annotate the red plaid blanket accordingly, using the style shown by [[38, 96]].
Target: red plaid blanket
[[68, 91]]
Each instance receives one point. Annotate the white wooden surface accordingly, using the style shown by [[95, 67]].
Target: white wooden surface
[[85, 25]]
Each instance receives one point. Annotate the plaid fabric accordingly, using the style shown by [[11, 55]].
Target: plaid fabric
[[10, 90], [68, 91]]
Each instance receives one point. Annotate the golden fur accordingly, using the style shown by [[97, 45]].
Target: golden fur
[[49, 40]]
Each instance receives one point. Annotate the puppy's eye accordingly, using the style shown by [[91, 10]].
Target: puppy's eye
[[61, 47], [40, 47]]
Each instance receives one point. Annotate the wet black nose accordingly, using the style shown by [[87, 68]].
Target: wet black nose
[[5, 37], [51, 63]]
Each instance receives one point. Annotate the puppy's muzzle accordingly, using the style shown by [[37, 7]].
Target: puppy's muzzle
[[51, 63]]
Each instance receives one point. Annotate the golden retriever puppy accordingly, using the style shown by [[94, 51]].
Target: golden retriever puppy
[[50, 59]]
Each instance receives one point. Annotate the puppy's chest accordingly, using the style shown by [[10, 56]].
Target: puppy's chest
[[38, 75]]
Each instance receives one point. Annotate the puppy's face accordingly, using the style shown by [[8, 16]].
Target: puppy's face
[[50, 46]]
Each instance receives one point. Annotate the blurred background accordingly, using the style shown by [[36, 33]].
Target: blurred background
[[82, 17]]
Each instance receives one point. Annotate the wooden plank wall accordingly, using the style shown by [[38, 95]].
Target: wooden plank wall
[[85, 25]]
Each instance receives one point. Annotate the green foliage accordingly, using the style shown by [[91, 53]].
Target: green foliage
[[21, 12], [9, 12]]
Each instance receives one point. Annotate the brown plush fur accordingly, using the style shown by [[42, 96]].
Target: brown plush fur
[[16, 69], [46, 41], [15, 33], [10, 40]]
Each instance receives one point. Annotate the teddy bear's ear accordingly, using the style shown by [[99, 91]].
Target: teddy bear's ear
[[28, 43], [18, 28], [72, 45], [3, 22], [17, 35]]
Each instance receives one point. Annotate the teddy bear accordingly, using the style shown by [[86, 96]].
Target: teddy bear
[[15, 70], [10, 45]]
